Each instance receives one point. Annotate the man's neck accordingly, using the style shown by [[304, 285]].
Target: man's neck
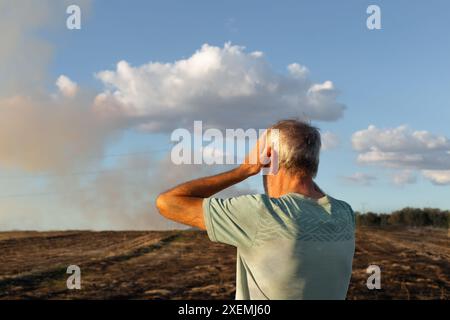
[[287, 183], [309, 189]]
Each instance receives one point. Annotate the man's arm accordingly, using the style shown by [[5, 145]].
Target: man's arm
[[184, 202]]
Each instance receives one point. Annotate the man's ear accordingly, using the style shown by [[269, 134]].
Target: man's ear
[[267, 156]]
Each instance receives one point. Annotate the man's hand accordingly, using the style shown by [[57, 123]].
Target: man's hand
[[258, 157]]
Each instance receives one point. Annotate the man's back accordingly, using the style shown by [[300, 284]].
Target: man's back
[[290, 247]]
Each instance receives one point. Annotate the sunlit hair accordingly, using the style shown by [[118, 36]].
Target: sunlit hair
[[299, 147]]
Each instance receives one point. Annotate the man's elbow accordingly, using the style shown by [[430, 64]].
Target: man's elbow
[[162, 204]]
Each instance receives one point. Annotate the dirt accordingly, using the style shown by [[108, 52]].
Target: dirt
[[415, 264]]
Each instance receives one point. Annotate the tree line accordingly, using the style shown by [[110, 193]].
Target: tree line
[[413, 217]]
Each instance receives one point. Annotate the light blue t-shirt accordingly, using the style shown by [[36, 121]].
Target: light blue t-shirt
[[291, 247]]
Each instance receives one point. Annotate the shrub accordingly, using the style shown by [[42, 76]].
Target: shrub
[[413, 217]]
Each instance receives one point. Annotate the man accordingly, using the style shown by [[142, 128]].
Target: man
[[294, 241]]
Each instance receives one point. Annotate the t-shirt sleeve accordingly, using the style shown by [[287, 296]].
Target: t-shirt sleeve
[[233, 221]]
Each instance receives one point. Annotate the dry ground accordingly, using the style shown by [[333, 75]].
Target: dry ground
[[415, 264]]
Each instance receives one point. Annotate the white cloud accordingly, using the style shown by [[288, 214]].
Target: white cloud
[[66, 86], [403, 148], [437, 177], [329, 141], [321, 87], [400, 139], [404, 177], [360, 178], [298, 70], [225, 87]]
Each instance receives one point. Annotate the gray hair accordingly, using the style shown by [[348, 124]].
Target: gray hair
[[299, 147]]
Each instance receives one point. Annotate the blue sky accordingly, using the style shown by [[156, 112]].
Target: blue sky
[[395, 76]]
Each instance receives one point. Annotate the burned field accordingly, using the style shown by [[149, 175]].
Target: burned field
[[415, 264]]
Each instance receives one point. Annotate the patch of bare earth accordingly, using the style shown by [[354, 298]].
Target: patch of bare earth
[[415, 264]]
